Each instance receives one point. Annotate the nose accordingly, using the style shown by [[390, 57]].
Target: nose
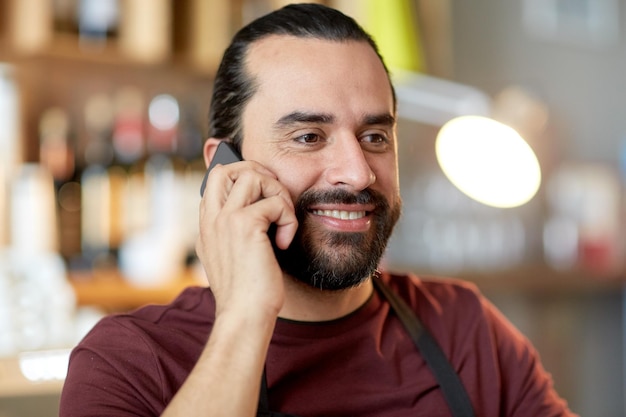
[[349, 165]]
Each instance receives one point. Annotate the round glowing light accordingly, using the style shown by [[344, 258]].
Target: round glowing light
[[489, 161]]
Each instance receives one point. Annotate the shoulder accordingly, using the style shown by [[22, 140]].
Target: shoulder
[[190, 313], [490, 354], [451, 309], [438, 293], [192, 305], [138, 359]]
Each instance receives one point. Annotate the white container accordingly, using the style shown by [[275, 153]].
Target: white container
[[33, 213], [10, 149]]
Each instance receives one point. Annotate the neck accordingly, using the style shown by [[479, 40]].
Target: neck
[[305, 303]]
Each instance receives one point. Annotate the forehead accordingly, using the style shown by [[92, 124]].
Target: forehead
[[291, 71]]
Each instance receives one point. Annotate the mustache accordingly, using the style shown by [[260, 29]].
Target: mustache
[[340, 196]]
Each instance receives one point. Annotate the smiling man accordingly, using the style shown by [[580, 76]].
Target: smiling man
[[322, 117], [296, 318]]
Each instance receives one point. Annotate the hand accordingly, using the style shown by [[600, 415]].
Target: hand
[[241, 201]]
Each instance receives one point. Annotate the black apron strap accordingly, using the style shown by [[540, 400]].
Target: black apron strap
[[453, 390], [264, 407], [264, 402]]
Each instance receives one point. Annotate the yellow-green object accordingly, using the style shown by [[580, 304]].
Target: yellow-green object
[[394, 27]]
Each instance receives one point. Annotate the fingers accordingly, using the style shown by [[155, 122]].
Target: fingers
[[236, 186], [223, 177], [252, 193]]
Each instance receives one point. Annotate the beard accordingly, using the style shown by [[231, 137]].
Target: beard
[[338, 260]]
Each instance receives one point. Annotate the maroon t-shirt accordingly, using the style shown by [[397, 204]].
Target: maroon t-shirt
[[363, 364]]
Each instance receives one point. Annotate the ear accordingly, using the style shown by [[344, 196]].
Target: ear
[[210, 146]]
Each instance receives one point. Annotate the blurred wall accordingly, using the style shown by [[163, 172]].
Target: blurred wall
[[570, 53]]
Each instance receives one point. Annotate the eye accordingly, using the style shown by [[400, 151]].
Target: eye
[[308, 138], [375, 142], [374, 138]]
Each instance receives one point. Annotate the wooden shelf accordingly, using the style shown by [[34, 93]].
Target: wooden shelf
[[537, 279], [13, 370], [189, 34], [110, 291]]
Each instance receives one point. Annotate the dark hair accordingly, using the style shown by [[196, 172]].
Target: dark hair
[[233, 86]]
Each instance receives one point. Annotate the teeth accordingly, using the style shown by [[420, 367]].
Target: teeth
[[340, 214]]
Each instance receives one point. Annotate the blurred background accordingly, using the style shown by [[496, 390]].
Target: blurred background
[[103, 112]]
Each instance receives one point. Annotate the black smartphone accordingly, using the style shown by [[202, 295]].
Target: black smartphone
[[225, 154]]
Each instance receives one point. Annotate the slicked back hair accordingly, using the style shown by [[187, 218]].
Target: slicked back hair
[[234, 86]]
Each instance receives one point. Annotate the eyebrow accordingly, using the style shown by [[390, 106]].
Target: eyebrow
[[384, 119], [296, 117], [303, 117]]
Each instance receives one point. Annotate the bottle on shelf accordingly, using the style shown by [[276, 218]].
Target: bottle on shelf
[[97, 22], [157, 253], [57, 153], [129, 144], [95, 183]]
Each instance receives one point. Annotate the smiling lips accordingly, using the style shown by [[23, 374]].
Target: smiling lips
[[341, 214]]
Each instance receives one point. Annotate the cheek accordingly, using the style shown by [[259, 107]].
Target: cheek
[[297, 177], [387, 180], [386, 170]]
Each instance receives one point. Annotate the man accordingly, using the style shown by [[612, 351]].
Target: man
[[290, 239]]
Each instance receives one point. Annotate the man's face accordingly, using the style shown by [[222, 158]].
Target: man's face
[[322, 120]]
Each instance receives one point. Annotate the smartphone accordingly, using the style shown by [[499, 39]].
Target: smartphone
[[225, 154]]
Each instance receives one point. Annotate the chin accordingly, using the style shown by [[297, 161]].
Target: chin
[[337, 262]]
